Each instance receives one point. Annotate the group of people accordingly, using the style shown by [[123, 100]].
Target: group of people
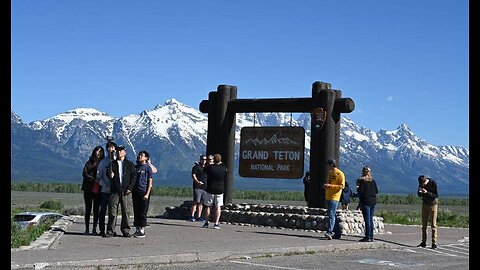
[[110, 182], [338, 192], [208, 176]]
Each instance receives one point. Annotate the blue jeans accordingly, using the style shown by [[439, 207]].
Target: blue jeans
[[367, 212], [104, 198], [332, 214]]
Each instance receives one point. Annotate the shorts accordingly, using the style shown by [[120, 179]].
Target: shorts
[[216, 199], [198, 195]]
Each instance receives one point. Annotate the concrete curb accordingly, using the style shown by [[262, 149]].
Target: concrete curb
[[49, 237]]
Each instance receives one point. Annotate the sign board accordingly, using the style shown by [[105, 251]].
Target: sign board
[[272, 152]]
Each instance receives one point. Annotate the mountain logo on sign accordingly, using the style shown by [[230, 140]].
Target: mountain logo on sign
[[272, 140]]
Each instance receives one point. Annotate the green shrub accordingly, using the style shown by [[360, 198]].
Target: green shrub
[[51, 204], [19, 237]]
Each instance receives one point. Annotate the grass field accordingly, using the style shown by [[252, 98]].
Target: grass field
[[21, 199]]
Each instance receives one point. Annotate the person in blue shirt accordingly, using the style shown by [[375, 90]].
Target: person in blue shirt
[[141, 193]]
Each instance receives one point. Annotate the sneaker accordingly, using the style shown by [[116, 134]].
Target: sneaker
[[205, 225], [329, 235], [364, 240], [191, 219], [86, 232], [139, 235], [94, 232], [127, 234], [216, 226], [422, 245], [371, 239], [109, 234], [201, 219], [434, 246]]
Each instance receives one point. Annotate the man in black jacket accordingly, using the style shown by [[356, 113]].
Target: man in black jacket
[[123, 177], [427, 190]]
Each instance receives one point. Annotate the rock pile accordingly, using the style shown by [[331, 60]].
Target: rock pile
[[284, 216]]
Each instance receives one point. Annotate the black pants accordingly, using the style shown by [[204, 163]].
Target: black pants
[[89, 198], [104, 199], [140, 208], [305, 193]]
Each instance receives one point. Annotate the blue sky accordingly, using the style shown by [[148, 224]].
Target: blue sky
[[402, 62]]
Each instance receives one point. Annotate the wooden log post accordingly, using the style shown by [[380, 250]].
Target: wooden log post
[[322, 142], [326, 106]]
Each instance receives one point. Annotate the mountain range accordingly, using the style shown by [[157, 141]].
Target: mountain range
[[55, 149]]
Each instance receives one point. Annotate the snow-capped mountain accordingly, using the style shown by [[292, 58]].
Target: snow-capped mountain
[[56, 148]]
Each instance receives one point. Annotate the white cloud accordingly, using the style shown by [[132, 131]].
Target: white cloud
[[390, 98]]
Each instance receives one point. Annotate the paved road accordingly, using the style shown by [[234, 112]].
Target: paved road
[[177, 241]]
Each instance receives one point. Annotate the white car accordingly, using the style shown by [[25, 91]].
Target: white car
[[28, 219]]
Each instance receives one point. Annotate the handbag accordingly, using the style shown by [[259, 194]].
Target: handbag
[[96, 187]]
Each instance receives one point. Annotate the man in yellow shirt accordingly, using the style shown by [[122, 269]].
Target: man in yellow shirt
[[333, 190]]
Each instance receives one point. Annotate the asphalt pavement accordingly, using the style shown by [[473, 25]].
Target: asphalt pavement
[[176, 241]]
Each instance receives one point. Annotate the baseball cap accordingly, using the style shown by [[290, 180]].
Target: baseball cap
[[332, 162]]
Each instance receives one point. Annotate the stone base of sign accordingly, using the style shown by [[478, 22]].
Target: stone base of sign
[[283, 216]]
